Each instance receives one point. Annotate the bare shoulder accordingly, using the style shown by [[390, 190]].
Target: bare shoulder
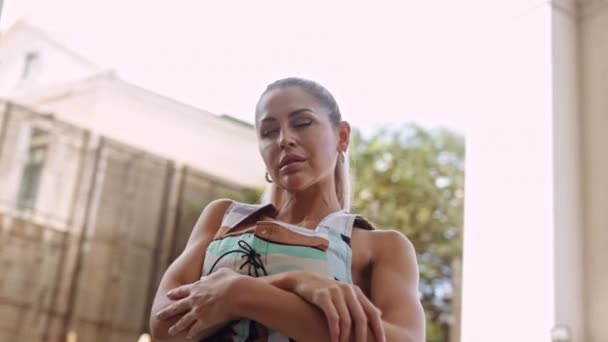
[[394, 248], [387, 249], [186, 268], [386, 241], [392, 240], [216, 209], [210, 219]]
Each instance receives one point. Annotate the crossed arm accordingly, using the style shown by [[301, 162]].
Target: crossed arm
[[274, 301]]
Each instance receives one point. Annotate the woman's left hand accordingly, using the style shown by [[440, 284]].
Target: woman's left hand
[[345, 306], [204, 305]]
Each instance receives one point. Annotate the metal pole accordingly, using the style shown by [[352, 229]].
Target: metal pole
[[82, 240], [178, 213], [86, 137], [155, 265]]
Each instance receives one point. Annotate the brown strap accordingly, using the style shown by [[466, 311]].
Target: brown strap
[[362, 223]]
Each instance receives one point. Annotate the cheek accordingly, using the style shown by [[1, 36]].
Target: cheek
[[267, 151], [321, 146]]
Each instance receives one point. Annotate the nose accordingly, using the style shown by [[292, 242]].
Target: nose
[[286, 139]]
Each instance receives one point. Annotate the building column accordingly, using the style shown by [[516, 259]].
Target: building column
[[594, 108], [567, 170]]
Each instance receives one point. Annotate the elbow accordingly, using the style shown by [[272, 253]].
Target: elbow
[[160, 339], [156, 337], [158, 332]]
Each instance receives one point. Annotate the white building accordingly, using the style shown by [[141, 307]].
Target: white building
[[536, 210], [37, 71]]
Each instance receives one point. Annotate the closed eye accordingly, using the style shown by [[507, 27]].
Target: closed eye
[[303, 124], [269, 132]]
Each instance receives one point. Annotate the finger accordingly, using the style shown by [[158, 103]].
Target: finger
[[179, 292], [375, 321], [374, 316], [174, 309], [183, 324], [357, 313], [196, 329], [344, 315], [333, 319]]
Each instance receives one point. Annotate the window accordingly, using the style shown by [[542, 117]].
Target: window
[[31, 65], [32, 170]]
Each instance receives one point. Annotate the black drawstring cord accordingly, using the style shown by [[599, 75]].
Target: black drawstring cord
[[253, 258]]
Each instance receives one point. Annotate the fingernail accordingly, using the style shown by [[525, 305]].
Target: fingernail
[[171, 331]]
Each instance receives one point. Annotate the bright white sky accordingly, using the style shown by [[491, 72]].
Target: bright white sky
[[386, 62]]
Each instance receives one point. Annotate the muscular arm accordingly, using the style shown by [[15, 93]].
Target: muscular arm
[[268, 300], [186, 269], [286, 310], [394, 287]]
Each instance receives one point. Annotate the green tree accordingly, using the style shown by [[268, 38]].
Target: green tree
[[412, 180]]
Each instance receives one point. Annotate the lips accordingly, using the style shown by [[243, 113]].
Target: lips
[[290, 159]]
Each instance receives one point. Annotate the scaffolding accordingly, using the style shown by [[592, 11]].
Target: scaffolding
[[88, 225]]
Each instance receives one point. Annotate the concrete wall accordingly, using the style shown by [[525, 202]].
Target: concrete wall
[[594, 91], [188, 135], [125, 112]]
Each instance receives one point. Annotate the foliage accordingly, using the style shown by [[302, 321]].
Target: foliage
[[246, 196], [412, 180]]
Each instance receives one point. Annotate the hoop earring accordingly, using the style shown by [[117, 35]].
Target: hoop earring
[[268, 179]]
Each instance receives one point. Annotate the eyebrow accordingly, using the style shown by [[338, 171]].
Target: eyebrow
[[291, 114]]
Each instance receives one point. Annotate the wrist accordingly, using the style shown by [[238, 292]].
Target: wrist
[[236, 294], [243, 296], [242, 302], [285, 281]]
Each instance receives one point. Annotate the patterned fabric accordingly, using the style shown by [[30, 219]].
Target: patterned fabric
[[271, 247]]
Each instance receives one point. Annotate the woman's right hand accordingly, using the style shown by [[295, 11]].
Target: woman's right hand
[[345, 306]]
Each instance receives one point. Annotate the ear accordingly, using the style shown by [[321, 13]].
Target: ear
[[343, 135]]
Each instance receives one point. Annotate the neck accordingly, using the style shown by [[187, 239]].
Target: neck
[[308, 207]]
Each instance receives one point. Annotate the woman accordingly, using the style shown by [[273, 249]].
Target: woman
[[302, 267]]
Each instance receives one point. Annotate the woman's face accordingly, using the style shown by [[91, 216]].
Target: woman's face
[[297, 140]]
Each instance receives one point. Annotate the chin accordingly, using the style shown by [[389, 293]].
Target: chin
[[295, 182]]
